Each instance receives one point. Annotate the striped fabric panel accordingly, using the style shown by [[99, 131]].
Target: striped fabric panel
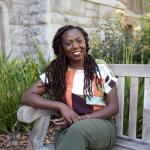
[[77, 102], [69, 81]]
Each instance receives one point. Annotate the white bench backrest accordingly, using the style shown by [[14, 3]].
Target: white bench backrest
[[134, 71]]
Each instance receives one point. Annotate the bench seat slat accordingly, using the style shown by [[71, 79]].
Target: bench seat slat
[[125, 143]]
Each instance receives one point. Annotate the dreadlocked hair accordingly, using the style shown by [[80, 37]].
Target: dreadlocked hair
[[56, 70], [91, 71]]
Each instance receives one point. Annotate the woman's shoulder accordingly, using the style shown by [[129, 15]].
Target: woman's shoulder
[[101, 64], [103, 67]]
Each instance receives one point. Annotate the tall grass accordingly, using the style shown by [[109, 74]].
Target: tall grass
[[15, 77], [114, 43]]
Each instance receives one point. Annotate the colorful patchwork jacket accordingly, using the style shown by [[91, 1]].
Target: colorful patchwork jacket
[[74, 92]]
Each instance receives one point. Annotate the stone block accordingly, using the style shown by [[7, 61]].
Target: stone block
[[24, 2], [16, 29], [91, 6], [32, 20], [18, 51], [74, 7], [106, 12], [91, 13], [43, 6], [41, 30], [80, 21], [33, 9], [19, 40], [57, 18], [56, 5], [38, 8], [43, 18], [53, 29], [17, 19], [41, 39], [110, 3], [20, 9], [84, 21], [32, 2]]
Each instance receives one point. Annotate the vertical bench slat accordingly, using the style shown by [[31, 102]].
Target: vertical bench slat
[[133, 107], [119, 117], [146, 111]]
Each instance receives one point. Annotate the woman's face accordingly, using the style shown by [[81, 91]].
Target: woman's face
[[74, 46]]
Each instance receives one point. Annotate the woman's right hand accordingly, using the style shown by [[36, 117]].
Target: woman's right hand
[[60, 122], [68, 114]]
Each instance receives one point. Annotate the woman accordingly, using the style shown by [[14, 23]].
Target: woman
[[83, 92]]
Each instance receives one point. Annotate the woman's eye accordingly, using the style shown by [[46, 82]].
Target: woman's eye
[[79, 41], [68, 43]]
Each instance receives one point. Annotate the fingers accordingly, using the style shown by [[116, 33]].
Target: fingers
[[59, 119], [76, 119], [69, 115], [68, 119], [73, 119], [59, 122]]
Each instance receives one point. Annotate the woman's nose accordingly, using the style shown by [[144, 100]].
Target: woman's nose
[[75, 45]]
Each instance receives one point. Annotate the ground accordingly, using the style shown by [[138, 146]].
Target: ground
[[18, 141]]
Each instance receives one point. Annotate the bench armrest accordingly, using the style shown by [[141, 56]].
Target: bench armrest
[[29, 114], [42, 118]]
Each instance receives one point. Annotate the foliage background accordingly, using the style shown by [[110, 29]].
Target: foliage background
[[115, 42], [16, 76]]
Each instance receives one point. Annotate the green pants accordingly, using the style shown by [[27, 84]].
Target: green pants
[[90, 134]]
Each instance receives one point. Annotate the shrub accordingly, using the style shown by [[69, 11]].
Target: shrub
[[16, 76], [113, 41]]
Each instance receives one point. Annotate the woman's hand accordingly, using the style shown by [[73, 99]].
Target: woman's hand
[[60, 122], [68, 114]]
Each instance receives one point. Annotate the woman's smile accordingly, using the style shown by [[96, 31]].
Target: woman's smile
[[76, 54]]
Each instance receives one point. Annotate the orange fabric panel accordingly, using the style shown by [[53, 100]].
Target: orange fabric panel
[[96, 92], [96, 107], [69, 81]]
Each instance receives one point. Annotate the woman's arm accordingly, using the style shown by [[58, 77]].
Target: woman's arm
[[111, 107], [33, 97]]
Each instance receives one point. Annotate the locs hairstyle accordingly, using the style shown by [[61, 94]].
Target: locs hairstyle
[[56, 70]]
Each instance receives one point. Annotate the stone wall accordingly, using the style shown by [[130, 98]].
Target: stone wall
[[4, 27], [39, 19], [18, 28], [80, 12]]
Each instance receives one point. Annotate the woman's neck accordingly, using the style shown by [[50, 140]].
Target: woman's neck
[[77, 66]]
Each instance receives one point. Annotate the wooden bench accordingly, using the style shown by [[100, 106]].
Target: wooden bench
[[124, 142]]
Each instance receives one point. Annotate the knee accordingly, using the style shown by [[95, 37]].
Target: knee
[[78, 129]]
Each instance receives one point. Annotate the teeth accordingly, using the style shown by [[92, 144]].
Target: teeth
[[76, 53]]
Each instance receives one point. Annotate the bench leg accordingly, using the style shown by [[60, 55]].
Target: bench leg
[[38, 134]]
